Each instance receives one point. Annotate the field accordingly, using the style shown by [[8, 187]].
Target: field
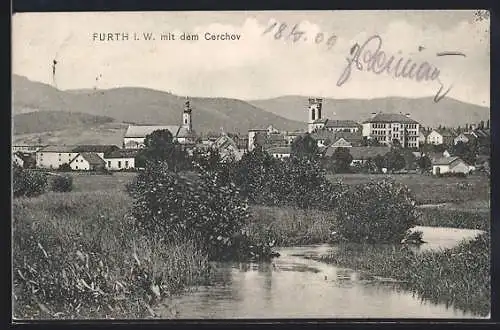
[[429, 189]]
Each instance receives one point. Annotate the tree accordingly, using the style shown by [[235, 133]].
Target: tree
[[465, 151], [488, 124], [394, 161], [160, 146], [305, 146], [481, 124], [396, 143], [342, 159], [379, 162]]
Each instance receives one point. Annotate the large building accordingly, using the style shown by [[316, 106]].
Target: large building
[[184, 134], [387, 127], [52, 157], [316, 121]]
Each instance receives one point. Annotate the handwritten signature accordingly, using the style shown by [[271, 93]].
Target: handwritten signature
[[378, 62]]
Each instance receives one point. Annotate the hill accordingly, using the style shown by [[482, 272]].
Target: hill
[[448, 111], [145, 106], [44, 121]]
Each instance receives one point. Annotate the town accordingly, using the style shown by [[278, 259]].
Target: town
[[435, 150]]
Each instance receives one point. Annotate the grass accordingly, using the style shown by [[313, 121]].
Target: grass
[[459, 276], [76, 255], [430, 189], [115, 182], [289, 226], [450, 216]]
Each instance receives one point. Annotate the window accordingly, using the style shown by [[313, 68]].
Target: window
[[126, 163], [109, 163], [119, 164]]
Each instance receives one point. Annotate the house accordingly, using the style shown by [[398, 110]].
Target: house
[[316, 122], [123, 159], [387, 127], [256, 136], [228, 149], [440, 136], [361, 154], [464, 138], [449, 165], [87, 161], [24, 159], [355, 139], [184, 134], [291, 136], [280, 152], [323, 137], [52, 157]]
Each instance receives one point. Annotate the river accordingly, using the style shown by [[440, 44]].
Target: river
[[293, 286]]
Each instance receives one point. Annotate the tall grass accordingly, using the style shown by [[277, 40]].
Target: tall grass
[[456, 218], [287, 226], [459, 276], [76, 255]]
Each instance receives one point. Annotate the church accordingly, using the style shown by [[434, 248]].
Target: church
[[183, 134], [316, 122]]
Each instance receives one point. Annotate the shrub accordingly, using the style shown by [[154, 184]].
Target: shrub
[[28, 183], [65, 167], [453, 174], [60, 183], [380, 211], [190, 206]]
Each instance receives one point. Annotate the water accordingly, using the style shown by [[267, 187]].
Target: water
[[293, 286]]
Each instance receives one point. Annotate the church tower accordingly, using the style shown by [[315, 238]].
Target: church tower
[[186, 116], [314, 113]]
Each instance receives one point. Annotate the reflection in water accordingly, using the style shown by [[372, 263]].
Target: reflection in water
[[294, 285]]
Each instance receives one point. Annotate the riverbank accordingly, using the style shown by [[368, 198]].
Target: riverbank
[[459, 276], [76, 255]]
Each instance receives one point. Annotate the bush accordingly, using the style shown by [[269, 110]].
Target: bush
[[65, 168], [452, 174], [60, 183], [380, 211], [190, 206], [28, 183]]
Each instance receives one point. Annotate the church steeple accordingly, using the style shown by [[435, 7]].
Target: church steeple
[[314, 112], [186, 116]]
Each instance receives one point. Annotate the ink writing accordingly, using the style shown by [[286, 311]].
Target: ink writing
[[283, 31], [370, 57]]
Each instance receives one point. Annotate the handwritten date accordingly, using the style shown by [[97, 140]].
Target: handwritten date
[[283, 31]]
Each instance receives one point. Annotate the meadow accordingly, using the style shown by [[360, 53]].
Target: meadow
[[95, 265]]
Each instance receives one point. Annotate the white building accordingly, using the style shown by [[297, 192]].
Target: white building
[[450, 164], [120, 160], [52, 157], [87, 161], [280, 152], [253, 136], [386, 127], [184, 134]]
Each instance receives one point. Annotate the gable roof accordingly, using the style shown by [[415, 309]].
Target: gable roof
[[320, 121], [90, 157], [58, 148], [341, 123], [382, 117], [95, 148], [444, 160], [341, 143], [140, 131], [122, 153]]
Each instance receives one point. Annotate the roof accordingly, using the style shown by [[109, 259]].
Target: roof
[[58, 148], [390, 118], [24, 155], [122, 153], [349, 136], [140, 131], [341, 143], [323, 134], [91, 157], [341, 123], [95, 148], [296, 133], [320, 121], [359, 153], [280, 150], [482, 133], [444, 132], [257, 129]]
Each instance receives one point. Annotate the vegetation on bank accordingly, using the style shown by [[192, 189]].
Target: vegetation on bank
[[455, 218], [76, 255], [459, 276]]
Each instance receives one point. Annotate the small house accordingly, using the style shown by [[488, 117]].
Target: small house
[[280, 152], [123, 159], [87, 161], [449, 165]]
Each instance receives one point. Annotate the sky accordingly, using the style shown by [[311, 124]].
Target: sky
[[258, 65]]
